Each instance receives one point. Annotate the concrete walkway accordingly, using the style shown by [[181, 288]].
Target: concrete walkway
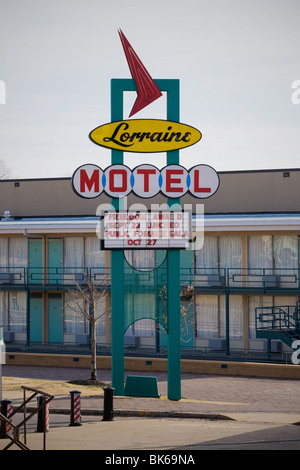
[[211, 408]]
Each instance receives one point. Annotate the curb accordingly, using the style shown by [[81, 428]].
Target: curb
[[145, 413]]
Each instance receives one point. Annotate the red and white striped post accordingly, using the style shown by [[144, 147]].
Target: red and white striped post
[[10, 410], [75, 408], [6, 410]]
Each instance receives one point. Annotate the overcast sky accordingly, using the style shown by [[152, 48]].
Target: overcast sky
[[236, 61]]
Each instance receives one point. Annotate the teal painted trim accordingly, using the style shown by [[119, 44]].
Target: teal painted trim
[[117, 321], [173, 267], [139, 386], [173, 295], [227, 324], [117, 260], [28, 318], [118, 86]]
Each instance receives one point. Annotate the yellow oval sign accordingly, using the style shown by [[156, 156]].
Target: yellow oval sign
[[145, 135]]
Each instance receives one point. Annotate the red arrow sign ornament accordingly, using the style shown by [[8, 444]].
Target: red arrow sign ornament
[[147, 90]]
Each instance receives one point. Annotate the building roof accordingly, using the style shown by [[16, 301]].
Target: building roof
[[211, 222]]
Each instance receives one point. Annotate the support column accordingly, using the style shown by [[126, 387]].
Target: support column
[[117, 321], [173, 294], [117, 265], [227, 319], [173, 267]]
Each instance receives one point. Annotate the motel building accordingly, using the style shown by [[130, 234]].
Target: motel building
[[239, 291]]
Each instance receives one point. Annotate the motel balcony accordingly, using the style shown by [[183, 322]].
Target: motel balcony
[[193, 280]]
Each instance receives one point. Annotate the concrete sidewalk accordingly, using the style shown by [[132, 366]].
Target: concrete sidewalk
[[212, 407]]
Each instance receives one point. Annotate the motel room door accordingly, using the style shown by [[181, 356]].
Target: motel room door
[[35, 261], [36, 317], [55, 260], [55, 318]]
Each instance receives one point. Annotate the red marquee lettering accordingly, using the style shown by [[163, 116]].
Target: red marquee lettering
[[85, 181], [170, 181], [196, 184], [146, 172], [112, 186]]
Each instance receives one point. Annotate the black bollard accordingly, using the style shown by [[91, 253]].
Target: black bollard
[[6, 410], [75, 419], [108, 412], [43, 415]]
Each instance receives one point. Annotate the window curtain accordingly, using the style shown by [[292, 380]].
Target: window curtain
[[254, 302], [207, 316], [17, 311], [18, 252], [284, 300], [3, 309], [286, 254], [235, 316], [260, 252], [144, 327], [94, 257], [230, 252], [73, 322], [18, 257], [207, 257], [100, 307], [140, 310], [73, 252], [73, 259], [3, 252], [141, 259]]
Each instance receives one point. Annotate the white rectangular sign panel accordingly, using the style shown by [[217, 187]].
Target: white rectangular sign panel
[[147, 230]]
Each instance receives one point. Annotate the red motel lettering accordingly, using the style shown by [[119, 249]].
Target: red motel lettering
[[146, 181]]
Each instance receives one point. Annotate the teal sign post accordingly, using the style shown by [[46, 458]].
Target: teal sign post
[[118, 86], [173, 181]]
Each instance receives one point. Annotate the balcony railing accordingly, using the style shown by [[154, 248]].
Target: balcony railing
[[263, 278], [56, 277], [202, 279]]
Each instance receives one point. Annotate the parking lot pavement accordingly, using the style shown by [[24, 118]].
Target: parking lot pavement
[[214, 411]]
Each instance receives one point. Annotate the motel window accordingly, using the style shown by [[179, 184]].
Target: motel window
[[207, 316], [219, 252], [139, 310], [73, 252], [211, 316], [74, 321], [94, 257], [16, 320], [102, 312], [3, 308], [279, 252], [3, 252], [82, 252], [13, 252], [141, 259], [236, 315], [285, 249], [257, 301]]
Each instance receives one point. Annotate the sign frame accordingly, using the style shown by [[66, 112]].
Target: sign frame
[[206, 192], [159, 144], [148, 247]]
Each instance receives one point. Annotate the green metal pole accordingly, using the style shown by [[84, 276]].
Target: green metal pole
[[227, 324], [173, 270], [117, 265]]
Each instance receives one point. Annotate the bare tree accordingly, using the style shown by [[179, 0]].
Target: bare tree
[[5, 171], [90, 302]]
